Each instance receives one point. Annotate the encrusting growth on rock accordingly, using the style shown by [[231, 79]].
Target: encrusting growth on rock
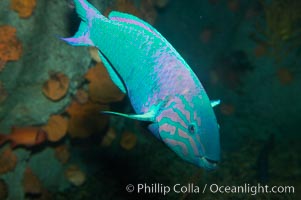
[[62, 153], [128, 140], [85, 119], [75, 175], [25, 8], [31, 183], [56, 128], [56, 87], [10, 46], [101, 87], [8, 161], [3, 93]]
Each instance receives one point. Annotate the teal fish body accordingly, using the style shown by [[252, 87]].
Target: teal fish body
[[162, 88]]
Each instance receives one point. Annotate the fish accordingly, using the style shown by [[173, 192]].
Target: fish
[[24, 136], [163, 90]]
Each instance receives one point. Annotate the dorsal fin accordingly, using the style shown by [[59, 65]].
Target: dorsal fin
[[131, 19], [85, 10], [81, 37]]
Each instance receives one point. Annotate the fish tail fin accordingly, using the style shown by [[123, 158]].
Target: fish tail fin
[[86, 12], [81, 38], [3, 139]]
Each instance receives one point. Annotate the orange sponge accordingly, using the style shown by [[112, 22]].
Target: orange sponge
[[101, 87], [23, 7], [56, 128], [85, 119], [8, 161], [56, 87], [10, 46]]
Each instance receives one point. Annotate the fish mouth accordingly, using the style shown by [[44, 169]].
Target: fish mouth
[[208, 164]]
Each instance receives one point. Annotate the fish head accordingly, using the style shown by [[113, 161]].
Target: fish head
[[188, 126]]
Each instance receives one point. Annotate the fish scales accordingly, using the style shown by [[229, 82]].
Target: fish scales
[[162, 88], [160, 76]]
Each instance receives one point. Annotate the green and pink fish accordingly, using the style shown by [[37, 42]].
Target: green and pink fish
[[162, 88]]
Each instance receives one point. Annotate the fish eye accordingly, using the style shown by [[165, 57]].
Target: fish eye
[[191, 128]]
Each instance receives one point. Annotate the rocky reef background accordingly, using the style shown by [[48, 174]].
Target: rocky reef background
[[246, 53]]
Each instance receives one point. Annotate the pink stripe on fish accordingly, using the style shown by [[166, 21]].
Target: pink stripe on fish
[[172, 142], [191, 141], [197, 118], [182, 134], [174, 116], [132, 21], [180, 107], [167, 128], [184, 111]]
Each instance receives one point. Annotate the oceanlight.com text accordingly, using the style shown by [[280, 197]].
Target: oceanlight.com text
[[251, 189], [158, 188]]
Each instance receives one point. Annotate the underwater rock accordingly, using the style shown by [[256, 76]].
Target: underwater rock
[[3, 93], [101, 87], [3, 190], [81, 96], [10, 45], [42, 52], [62, 153], [128, 140], [56, 87], [281, 28], [75, 175], [108, 138], [56, 128], [24, 136], [31, 183], [8, 161], [2, 64], [85, 119], [23, 7]]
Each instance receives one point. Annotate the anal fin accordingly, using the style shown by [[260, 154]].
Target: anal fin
[[114, 76]]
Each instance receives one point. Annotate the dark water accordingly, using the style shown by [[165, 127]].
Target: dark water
[[245, 53]]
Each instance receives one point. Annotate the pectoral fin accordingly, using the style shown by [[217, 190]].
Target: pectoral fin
[[215, 102], [148, 117]]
